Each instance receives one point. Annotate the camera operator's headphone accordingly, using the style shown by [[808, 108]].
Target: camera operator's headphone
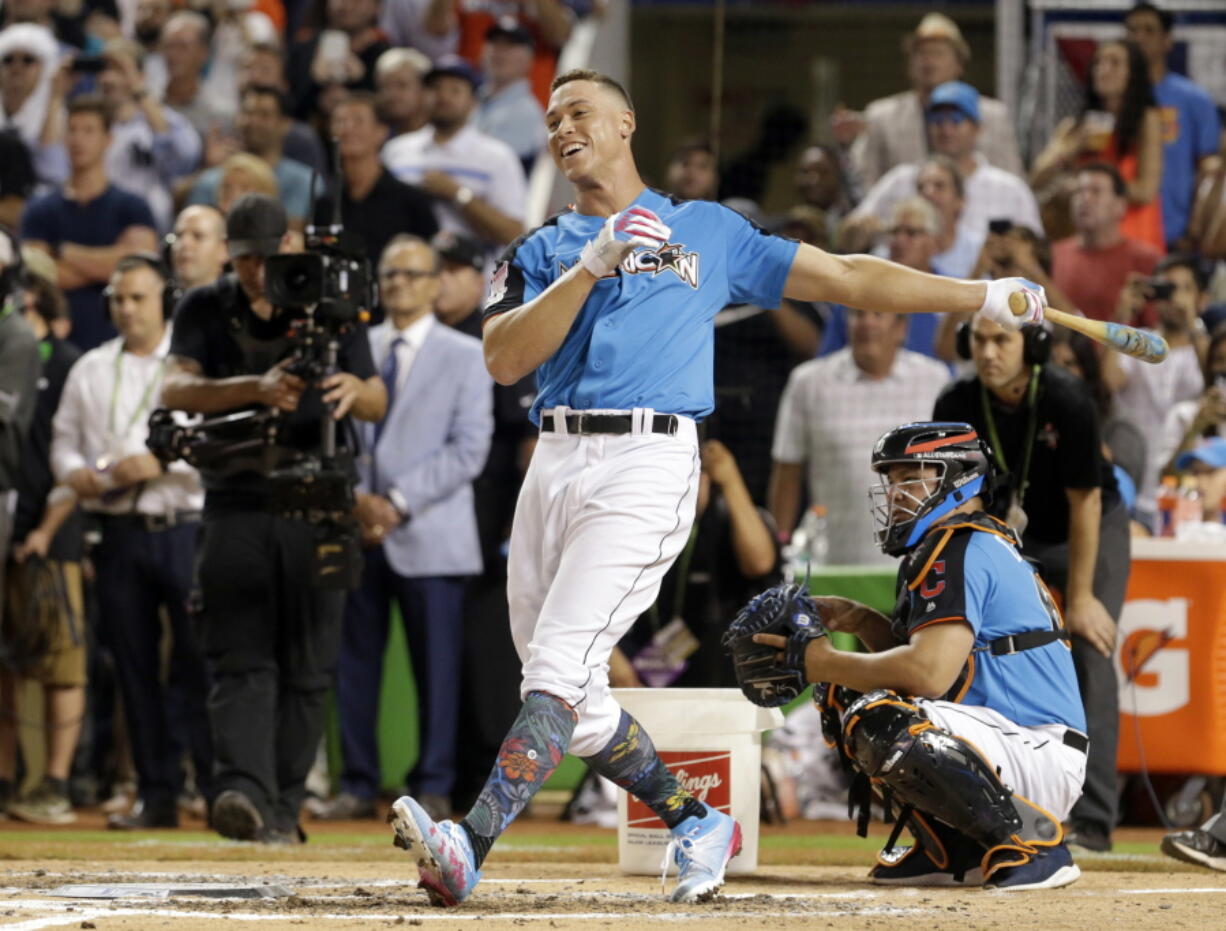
[[1036, 343], [171, 292]]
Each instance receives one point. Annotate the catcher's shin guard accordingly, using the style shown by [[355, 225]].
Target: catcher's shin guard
[[943, 775]]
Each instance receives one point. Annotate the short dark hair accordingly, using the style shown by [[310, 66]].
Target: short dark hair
[[138, 260], [596, 77], [1188, 261], [49, 300], [92, 103], [266, 90], [1165, 17], [1106, 168], [362, 99]]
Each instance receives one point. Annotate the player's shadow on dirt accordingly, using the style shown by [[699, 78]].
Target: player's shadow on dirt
[[852, 877]]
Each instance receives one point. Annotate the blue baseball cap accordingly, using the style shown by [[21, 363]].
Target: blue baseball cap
[[453, 66], [1211, 452], [956, 94]]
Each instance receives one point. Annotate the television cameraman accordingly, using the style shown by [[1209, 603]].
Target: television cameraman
[[269, 628]]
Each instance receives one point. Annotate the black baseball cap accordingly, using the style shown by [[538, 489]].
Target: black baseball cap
[[511, 29], [459, 250], [453, 66], [255, 226]]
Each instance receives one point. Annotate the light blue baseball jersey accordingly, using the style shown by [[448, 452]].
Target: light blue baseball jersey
[[645, 336], [979, 577]]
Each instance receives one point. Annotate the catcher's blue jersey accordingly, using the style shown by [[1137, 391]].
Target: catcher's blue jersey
[[979, 577], [644, 337]]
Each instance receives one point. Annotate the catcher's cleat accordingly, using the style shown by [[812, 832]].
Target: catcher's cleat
[[1199, 847], [909, 866], [443, 853], [702, 848], [1046, 868]]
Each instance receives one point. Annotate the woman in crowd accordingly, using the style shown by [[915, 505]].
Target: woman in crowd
[[1119, 124]]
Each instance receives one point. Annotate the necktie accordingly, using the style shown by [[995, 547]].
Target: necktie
[[389, 372]]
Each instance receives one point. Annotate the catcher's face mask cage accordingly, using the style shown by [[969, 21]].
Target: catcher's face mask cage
[[956, 470]]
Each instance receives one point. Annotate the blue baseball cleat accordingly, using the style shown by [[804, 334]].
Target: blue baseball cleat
[[1048, 868], [444, 856], [702, 848]]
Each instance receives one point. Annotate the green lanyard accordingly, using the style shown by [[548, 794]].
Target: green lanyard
[[144, 400], [1032, 391]]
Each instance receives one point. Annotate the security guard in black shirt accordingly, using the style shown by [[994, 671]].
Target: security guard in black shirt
[[1043, 428], [269, 631]]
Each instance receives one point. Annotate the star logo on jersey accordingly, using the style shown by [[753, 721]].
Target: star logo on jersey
[[670, 257]]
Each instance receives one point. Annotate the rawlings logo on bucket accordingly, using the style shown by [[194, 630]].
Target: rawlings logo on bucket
[[705, 774]]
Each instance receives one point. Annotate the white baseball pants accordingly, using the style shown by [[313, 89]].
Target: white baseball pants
[[599, 521]]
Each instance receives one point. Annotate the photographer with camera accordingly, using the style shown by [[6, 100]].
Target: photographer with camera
[[1176, 295], [276, 555]]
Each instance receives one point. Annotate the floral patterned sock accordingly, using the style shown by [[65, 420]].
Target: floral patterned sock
[[630, 760], [532, 750]]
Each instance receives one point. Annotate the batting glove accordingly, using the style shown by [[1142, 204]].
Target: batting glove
[[621, 234], [996, 302]]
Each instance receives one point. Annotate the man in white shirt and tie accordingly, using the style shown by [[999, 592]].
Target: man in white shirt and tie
[[415, 502], [148, 516]]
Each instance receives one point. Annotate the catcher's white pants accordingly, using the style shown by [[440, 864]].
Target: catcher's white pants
[[600, 519], [1033, 761]]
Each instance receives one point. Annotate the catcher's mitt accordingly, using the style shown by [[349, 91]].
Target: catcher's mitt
[[786, 610]]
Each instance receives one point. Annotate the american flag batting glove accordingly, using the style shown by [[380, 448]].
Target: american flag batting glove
[[621, 234], [996, 302]]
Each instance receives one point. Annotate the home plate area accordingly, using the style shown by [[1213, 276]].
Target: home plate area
[[552, 895]]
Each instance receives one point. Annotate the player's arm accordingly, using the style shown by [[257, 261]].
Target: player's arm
[[517, 341], [869, 283], [869, 626], [927, 666]]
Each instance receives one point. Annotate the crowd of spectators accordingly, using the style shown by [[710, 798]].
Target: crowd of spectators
[[123, 129]]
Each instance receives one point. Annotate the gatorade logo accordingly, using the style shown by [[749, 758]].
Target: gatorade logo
[[705, 774], [1152, 661]]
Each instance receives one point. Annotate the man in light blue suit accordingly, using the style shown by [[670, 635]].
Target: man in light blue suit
[[415, 502]]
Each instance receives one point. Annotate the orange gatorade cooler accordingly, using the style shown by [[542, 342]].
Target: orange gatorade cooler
[[1171, 659]]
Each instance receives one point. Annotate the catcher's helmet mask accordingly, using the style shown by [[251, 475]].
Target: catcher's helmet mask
[[904, 511]]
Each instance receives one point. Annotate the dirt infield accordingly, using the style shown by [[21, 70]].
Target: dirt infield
[[553, 876]]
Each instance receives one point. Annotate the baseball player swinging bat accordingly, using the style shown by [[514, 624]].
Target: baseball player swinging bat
[[1148, 347]]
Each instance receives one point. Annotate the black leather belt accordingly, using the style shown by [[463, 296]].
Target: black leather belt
[[1076, 740], [154, 523], [583, 424]]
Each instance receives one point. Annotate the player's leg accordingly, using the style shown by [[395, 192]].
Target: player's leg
[[947, 776], [598, 593], [449, 854]]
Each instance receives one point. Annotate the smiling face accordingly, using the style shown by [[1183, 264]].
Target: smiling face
[[589, 127]]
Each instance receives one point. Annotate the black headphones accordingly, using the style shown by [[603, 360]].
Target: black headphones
[[1036, 343], [171, 292]]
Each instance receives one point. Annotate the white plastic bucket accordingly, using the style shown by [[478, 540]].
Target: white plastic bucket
[[712, 740]]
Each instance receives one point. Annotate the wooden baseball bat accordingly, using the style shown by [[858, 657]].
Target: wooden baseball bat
[[1148, 347]]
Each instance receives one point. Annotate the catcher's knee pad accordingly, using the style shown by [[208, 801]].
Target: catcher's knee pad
[[943, 775]]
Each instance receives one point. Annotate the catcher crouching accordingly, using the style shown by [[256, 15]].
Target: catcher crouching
[[965, 711]]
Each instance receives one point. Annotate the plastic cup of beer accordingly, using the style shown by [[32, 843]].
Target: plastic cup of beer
[[1098, 125]]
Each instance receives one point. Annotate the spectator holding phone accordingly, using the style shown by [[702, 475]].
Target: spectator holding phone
[[1147, 392]]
